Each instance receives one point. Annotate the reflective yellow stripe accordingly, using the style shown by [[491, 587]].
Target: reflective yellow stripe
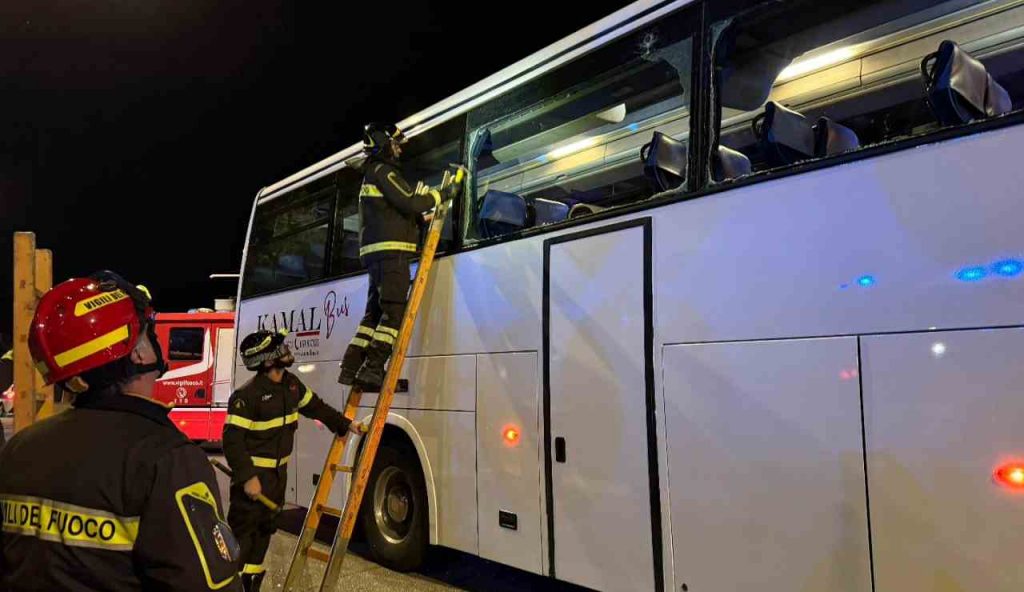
[[359, 342], [10, 353], [384, 337], [437, 197], [90, 347], [67, 524], [200, 492], [388, 246], [361, 330], [393, 177], [259, 346], [370, 191], [306, 398], [99, 301], [256, 426], [388, 330], [269, 463], [252, 568]]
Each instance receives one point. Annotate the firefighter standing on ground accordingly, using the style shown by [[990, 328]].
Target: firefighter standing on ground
[[259, 434], [108, 495], [390, 213]]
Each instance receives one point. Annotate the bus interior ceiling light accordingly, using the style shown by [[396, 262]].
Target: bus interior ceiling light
[[803, 66], [572, 148]]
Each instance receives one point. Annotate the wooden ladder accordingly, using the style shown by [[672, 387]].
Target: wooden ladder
[[361, 471]]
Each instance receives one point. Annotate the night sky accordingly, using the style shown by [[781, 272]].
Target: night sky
[[134, 134]]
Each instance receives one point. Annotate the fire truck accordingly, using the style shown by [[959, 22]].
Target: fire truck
[[200, 347]]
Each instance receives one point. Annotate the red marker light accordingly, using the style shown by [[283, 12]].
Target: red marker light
[[1011, 476], [511, 435]]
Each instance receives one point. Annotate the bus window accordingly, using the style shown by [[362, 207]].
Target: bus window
[[345, 242], [426, 157], [289, 236], [805, 79], [568, 144]]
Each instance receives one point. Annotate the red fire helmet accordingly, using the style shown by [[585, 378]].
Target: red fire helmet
[[86, 323]]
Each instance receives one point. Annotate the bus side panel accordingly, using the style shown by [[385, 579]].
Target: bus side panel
[[943, 413], [448, 441], [483, 301], [312, 439], [865, 247], [438, 383], [508, 444], [767, 467]]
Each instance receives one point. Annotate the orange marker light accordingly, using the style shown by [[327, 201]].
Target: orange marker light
[[511, 435], [1011, 476]]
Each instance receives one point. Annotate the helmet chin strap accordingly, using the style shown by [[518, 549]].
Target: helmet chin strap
[[159, 365]]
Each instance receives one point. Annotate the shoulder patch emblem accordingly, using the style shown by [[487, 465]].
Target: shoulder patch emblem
[[222, 545], [239, 403]]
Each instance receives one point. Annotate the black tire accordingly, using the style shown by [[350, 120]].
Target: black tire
[[394, 519]]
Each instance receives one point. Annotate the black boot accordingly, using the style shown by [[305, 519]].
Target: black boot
[[371, 374], [350, 363], [251, 582]]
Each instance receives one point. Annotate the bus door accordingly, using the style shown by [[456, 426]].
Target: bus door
[[604, 517]]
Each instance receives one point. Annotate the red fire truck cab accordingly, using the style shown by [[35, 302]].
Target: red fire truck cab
[[200, 348]]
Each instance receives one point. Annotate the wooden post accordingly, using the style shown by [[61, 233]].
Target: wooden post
[[44, 281], [24, 308]]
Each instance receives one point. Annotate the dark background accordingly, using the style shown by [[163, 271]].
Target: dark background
[[134, 134]]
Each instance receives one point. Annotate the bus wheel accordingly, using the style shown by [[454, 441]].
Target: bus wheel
[[394, 510]]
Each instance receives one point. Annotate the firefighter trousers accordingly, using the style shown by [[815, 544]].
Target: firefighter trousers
[[252, 522], [385, 307]]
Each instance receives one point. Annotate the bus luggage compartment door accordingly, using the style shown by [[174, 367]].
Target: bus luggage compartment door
[[604, 526]]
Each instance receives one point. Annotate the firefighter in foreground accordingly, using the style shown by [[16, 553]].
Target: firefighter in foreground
[[390, 214], [259, 434], [108, 495]]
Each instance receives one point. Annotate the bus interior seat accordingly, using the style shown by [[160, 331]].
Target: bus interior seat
[[664, 160], [831, 138], [785, 135], [584, 209], [502, 213], [959, 88], [546, 211], [729, 164]]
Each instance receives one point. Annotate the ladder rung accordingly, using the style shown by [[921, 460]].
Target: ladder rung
[[318, 554], [329, 510], [341, 468]]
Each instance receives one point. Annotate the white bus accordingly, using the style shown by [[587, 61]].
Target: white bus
[[779, 349]]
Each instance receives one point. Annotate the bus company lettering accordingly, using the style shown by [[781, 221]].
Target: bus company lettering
[[307, 326]]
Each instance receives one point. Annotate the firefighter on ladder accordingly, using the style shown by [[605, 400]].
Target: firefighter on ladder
[[390, 213], [259, 434], [108, 495]]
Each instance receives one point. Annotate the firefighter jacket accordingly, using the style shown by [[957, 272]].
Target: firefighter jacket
[[390, 210], [259, 431], [111, 496]]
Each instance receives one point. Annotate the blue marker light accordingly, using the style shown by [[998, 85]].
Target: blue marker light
[[971, 274], [1008, 268], [866, 280]]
